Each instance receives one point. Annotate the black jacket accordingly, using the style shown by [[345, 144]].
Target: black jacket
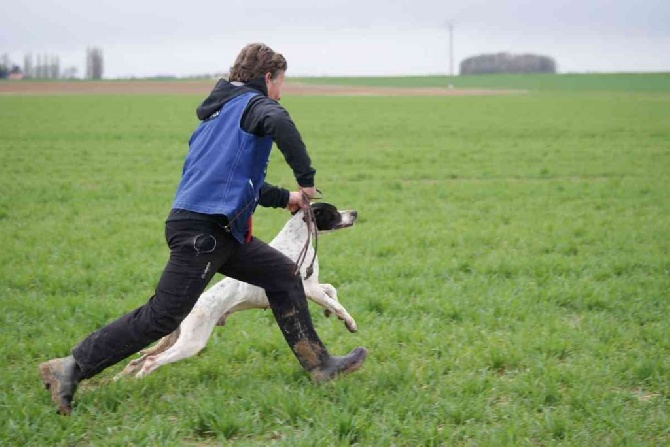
[[265, 117]]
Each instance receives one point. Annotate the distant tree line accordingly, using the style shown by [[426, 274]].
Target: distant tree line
[[508, 63], [47, 66]]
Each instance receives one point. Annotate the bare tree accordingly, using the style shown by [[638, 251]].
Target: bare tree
[[89, 64], [54, 67], [94, 63], [36, 69], [28, 66]]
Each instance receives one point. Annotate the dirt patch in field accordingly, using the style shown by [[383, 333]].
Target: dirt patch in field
[[203, 87]]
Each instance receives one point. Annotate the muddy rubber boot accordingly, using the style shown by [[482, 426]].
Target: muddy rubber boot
[[296, 326], [338, 366], [61, 377]]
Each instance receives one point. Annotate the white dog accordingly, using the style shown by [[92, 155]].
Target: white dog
[[230, 295]]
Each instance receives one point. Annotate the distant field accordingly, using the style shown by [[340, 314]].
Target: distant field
[[644, 82], [203, 86], [650, 83], [509, 273]]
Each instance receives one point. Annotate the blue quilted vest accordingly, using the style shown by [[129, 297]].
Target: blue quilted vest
[[225, 168]]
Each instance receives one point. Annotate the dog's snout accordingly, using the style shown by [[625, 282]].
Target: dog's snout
[[355, 214]]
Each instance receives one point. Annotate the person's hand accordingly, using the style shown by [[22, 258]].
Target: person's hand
[[295, 198], [294, 201]]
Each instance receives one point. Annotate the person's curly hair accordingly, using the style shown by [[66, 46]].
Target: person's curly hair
[[255, 60]]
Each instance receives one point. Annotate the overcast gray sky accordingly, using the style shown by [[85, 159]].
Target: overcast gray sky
[[338, 37]]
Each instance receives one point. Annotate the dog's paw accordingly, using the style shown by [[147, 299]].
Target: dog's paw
[[348, 320], [343, 316]]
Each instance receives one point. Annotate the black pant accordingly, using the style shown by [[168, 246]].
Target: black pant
[[198, 249]]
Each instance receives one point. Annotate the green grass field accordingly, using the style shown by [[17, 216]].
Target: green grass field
[[509, 273]]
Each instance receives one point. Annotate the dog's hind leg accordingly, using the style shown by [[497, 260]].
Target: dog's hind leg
[[325, 295], [195, 331], [163, 344]]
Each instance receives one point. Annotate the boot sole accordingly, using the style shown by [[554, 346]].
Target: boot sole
[[52, 383]]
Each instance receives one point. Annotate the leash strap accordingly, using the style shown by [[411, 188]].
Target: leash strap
[[312, 231]]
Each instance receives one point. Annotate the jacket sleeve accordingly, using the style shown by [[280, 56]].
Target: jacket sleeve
[[273, 196], [265, 117]]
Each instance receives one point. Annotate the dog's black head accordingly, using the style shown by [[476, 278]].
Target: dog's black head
[[328, 218]]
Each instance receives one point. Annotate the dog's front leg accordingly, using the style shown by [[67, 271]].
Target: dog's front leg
[[325, 295]]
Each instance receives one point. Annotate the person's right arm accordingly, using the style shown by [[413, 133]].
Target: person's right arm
[[266, 117]]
